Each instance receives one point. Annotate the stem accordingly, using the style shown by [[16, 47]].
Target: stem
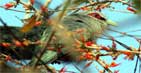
[[45, 65], [103, 65], [15, 10], [44, 49], [77, 68]]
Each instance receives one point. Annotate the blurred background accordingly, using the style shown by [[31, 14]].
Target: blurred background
[[126, 20]]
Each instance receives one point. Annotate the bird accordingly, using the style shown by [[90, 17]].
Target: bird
[[71, 28], [66, 34]]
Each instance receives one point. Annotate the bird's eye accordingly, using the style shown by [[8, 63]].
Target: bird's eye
[[79, 21]]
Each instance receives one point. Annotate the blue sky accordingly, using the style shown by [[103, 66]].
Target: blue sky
[[126, 22]]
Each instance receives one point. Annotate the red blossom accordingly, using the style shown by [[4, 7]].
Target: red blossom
[[106, 66], [113, 64], [129, 56], [105, 48], [32, 1], [8, 5], [62, 70], [38, 23], [6, 44], [18, 43], [131, 9], [88, 64], [97, 57], [89, 43], [88, 56], [43, 9], [127, 53]]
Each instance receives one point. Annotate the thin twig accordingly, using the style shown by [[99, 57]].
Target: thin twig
[[103, 65], [15, 10], [45, 65], [44, 49], [77, 68]]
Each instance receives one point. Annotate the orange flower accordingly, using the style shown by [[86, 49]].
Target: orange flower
[[88, 56], [106, 66], [129, 56], [18, 43], [113, 64], [6, 44], [127, 53], [8, 5]]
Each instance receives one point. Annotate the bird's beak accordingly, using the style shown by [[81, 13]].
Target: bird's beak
[[110, 22]]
